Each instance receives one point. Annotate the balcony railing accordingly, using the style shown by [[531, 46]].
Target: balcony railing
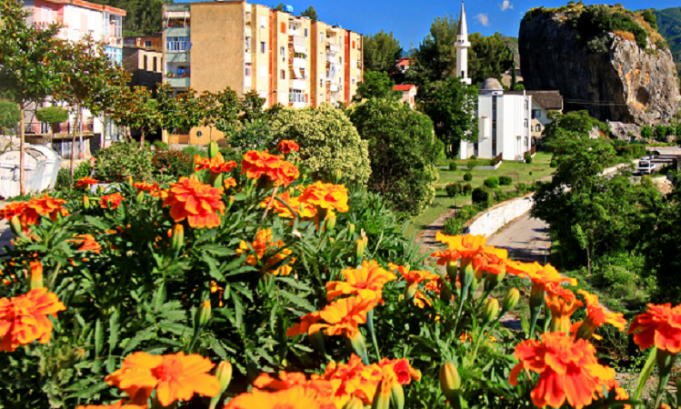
[[334, 48], [178, 46], [297, 40], [37, 127]]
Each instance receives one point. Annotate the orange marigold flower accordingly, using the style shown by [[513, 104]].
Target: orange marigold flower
[[420, 300], [344, 316], [538, 274], [229, 183], [660, 326], [303, 210], [461, 247], [562, 303], [195, 201], [175, 376], [568, 370], [352, 379], [49, 207], [492, 260], [255, 164], [215, 164], [86, 182], [322, 390], [304, 325], [263, 243], [596, 316], [413, 277], [153, 188], [326, 196], [88, 243], [367, 281], [121, 404], [288, 146], [403, 371], [112, 201], [23, 319], [296, 397]]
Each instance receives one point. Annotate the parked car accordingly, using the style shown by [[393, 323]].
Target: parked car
[[645, 167]]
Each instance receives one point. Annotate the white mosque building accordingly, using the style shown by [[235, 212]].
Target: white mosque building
[[504, 119]]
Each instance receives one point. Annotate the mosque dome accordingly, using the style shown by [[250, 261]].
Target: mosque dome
[[491, 84]]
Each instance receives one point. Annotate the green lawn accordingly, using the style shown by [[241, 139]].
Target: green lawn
[[520, 172]]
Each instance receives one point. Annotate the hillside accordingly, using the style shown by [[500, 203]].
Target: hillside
[[669, 26], [512, 43]]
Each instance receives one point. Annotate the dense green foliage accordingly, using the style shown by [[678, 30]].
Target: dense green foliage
[[492, 182], [467, 177], [52, 115], [144, 17], [10, 115], [327, 139], [597, 21], [173, 163], [505, 180], [576, 123], [376, 84], [381, 52], [121, 160], [402, 151], [482, 197], [489, 57]]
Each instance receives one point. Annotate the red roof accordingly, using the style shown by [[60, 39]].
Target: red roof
[[403, 61], [91, 6], [404, 87]]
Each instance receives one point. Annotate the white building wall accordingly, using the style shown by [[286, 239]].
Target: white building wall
[[80, 21], [484, 143], [512, 115]]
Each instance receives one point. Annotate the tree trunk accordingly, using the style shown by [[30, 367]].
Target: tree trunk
[[588, 261], [141, 139], [22, 135], [73, 143], [80, 133]]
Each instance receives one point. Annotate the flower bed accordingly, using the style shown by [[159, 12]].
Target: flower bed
[[248, 285]]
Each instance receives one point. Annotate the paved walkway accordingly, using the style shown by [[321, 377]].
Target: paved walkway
[[526, 239]]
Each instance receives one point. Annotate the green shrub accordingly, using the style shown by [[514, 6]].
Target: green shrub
[[173, 163], [63, 180], [632, 151], [472, 163], [160, 145], [647, 132], [230, 154], [553, 164], [10, 115], [193, 151], [468, 177], [122, 159], [482, 197], [454, 226], [328, 141], [467, 189], [492, 182], [530, 173], [453, 166], [505, 180], [52, 115], [528, 159], [473, 157], [453, 189]]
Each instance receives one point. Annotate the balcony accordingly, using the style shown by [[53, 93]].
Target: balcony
[[247, 31], [299, 63], [177, 31], [297, 41], [334, 48], [114, 42], [335, 87], [177, 57], [298, 84], [247, 57], [178, 46], [182, 82], [331, 59]]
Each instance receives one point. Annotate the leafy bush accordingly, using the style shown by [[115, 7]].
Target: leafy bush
[[453, 166], [122, 159], [468, 177], [52, 115], [63, 180], [647, 132], [472, 163], [193, 151], [453, 189], [595, 21], [632, 151], [402, 152], [482, 197], [453, 226], [173, 163], [505, 180], [553, 163], [10, 115], [467, 189], [327, 139], [160, 145], [528, 159], [492, 182]]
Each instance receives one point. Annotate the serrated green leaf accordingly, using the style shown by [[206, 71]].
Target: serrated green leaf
[[300, 302], [114, 326], [238, 309], [88, 392], [99, 342], [295, 284], [144, 335]]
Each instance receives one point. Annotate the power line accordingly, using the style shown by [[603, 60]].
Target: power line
[[594, 103]]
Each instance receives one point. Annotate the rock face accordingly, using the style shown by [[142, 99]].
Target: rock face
[[626, 84], [624, 132]]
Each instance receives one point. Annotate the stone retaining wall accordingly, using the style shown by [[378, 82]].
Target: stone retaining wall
[[488, 222]]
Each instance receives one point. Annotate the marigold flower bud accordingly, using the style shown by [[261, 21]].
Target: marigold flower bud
[[492, 280], [358, 345], [359, 248], [351, 229], [382, 396], [452, 270], [331, 223], [213, 149], [445, 293], [397, 396], [178, 237], [224, 374], [15, 226], [36, 274], [86, 201], [511, 299], [337, 175], [140, 197], [203, 314], [491, 310], [450, 381], [475, 283], [355, 403]]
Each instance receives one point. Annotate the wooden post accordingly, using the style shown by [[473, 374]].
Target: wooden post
[[22, 133]]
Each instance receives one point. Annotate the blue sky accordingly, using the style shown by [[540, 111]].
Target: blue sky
[[410, 20]]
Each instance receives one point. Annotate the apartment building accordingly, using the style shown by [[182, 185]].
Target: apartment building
[[287, 60]]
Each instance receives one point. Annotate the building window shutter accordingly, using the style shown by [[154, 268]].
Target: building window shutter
[[353, 44], [283, 28]]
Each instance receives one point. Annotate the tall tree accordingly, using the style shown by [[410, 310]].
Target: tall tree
[[381, 52], [29, 65], [489, 57], [137, 109], [376, 85], [9, 115], [89, 76], [310, 13], [450, 104], [278, 7], [435, 58]]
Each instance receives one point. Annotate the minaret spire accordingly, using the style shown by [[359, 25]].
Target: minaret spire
[[462, 45]]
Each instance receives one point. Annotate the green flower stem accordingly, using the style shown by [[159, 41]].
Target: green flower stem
[[536, 302], [665, 362], [466, 277], [370, 328]]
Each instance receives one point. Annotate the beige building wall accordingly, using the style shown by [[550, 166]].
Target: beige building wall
[[318, 64], [260, 28], [355, 64]]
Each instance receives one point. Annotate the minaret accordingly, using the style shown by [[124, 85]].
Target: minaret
[[462, 45]]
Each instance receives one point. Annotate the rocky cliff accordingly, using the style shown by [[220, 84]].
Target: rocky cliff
[[608, 73]]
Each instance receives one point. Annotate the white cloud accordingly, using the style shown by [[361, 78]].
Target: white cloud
[[483, 19], [506, 5]]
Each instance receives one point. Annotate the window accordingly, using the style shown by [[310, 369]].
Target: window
[[283, 74], [175, 44], [248, 70], [263, 47], [283, 28], [537, 128], [296, 95], [263, 22], [527, 122], [527, 105], [353, 81], [321, 37], [262, 72], [321, 82], [282, 52], [144, 64], [155, 67], [147, 44], [306, 33], [537, 113]]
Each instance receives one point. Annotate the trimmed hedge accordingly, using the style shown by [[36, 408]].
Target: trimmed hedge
[[492, 182], [453, 189], [468, 177], [482, 197], [467, 189], [505, 180], [452, 166], [554, 164]]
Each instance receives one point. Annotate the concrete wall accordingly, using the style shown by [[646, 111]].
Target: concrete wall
[[498, 216]]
